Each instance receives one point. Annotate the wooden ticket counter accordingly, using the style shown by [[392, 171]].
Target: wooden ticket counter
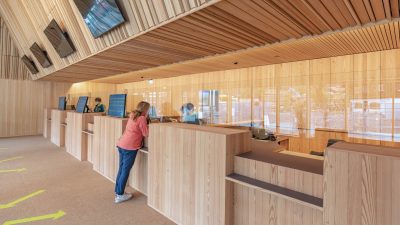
[[213, 176], [58, 127], [76, 137], [104, 155]]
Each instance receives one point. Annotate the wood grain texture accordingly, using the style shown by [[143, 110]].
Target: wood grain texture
[[331, 88], [11, 65], [77, 141], [368, 38], [58, 118], [359, 187], [47, 123], [254, 206], [105, 157], [187, 169], [28, 19]]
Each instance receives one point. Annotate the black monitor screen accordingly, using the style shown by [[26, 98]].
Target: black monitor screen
[[82, 102], [62, 103], [30, 64], [100, 16], [40, 55], [60, 41], [117, 105]]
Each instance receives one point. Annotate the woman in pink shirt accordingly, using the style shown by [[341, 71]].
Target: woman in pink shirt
[[128, 145]]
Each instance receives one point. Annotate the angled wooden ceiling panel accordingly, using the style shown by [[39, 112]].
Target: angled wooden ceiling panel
[[223, 27], [28, 19]]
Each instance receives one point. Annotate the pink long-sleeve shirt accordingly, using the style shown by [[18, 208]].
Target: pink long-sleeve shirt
[[134, 132]]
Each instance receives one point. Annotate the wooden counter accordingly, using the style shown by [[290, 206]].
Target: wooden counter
[[58, 121], [269, 185], [361, 185], [104, 155], [76, 142], [47, 123], [187, 169]]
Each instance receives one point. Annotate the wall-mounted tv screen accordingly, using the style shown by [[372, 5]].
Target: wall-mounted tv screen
[[62, 103], [30, 64], [117, 105], [59, 39], [40, 55], [81, 105], [100, 16]]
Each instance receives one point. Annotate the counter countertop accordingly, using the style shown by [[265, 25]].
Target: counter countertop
[[269, 153]]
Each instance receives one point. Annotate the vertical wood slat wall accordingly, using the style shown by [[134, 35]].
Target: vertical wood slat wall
[[11, 66], [29, 18], [356, 94]]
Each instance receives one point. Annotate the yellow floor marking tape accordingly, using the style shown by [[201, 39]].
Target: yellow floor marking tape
[[16, 170], [10, 159], [13, 203], [53, 216]]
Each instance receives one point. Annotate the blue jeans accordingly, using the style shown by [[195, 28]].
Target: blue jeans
[[126, 160]]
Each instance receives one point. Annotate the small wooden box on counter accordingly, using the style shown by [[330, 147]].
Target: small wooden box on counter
[[76, 141]]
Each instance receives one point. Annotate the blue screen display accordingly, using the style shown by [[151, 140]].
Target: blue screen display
[[62, 103], [80, 107], [100, 15], [117, 105]]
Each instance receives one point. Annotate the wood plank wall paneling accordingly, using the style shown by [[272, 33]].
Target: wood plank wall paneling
[[91, 90], [29, 18], [190, 187], [11, 66], [22, 103], [342, 95], [105, 157], [361, 187]]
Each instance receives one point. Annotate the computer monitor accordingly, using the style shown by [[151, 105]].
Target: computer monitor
[[81, 106]]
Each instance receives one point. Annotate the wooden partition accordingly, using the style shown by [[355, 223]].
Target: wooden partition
[[77, 141], [105, 158], [47, 123], [187, 169], [361, 185], [89, 133], [58, 125], [268, 194]]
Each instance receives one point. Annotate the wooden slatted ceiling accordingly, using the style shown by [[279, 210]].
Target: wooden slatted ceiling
[[233, 25], [29, 18], [377, 37]]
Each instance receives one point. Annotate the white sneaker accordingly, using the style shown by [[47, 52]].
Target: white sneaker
[[122, 198]]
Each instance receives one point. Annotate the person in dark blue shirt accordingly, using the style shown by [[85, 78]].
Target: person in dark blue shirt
[[99, 106]]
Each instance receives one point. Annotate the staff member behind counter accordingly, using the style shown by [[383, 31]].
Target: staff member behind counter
[[99, 106], [128, 146], [188, 114]]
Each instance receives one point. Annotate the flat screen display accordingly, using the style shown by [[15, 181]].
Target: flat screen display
[[40, 55], [117, 105], [30, 64], [100, 16], [62, 103], [81, 105], [60, 40]]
